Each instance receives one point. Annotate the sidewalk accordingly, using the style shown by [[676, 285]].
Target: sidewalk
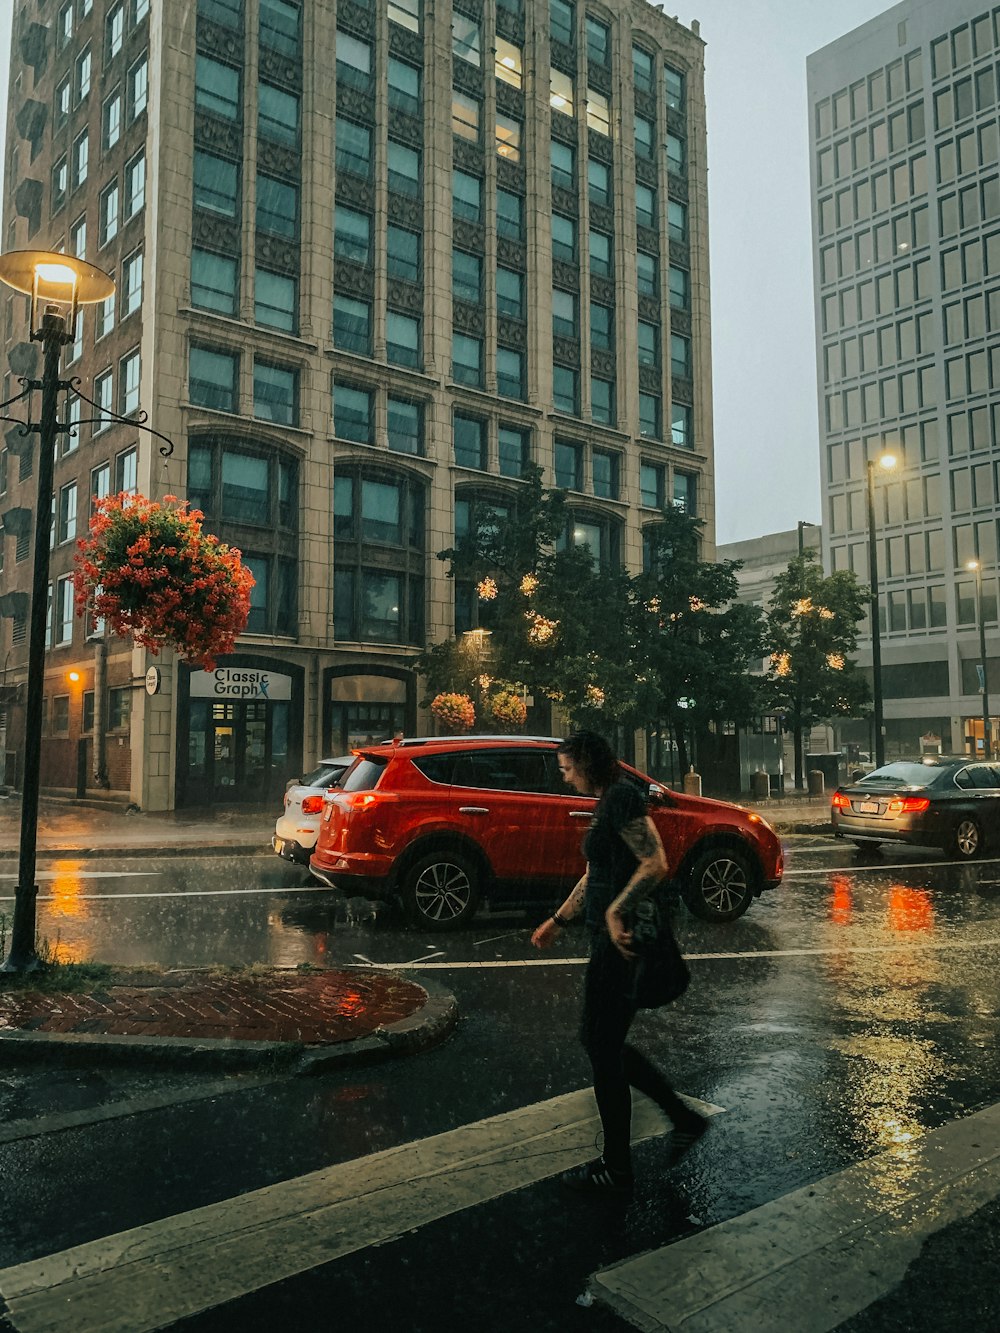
[[299, 1022]]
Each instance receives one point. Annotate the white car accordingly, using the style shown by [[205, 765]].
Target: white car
[[297, 828]]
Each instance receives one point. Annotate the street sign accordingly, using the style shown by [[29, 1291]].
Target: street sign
[[154, 680]]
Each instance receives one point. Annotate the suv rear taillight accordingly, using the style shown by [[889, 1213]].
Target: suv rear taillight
[[312, 805]]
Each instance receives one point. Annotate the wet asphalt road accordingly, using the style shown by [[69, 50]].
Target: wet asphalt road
[[853, 1007]]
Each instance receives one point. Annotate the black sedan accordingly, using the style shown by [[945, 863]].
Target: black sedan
[[953, 804]]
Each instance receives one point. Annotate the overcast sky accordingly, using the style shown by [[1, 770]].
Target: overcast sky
[[766, 448]]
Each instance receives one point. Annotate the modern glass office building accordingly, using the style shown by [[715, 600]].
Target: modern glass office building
[[905, 162], [371, 259]]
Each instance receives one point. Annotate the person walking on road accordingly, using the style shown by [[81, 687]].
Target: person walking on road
[[625, 863]]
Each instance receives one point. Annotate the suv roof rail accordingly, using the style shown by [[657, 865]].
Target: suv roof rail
[[437, 740]]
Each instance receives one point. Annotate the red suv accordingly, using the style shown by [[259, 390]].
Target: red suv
[[444, 824]]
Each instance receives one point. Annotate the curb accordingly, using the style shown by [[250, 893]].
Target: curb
[[127, 853], [824, 827], [427, 1027]]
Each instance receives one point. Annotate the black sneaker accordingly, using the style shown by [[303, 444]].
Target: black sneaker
[[597, 1178], [682, 1139]]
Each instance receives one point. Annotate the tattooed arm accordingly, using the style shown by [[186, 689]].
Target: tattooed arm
[[643, 841], [546, 932]]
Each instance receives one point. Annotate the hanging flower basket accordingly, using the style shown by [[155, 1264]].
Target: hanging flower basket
[[507, 710], [454, 712], [152, 573]]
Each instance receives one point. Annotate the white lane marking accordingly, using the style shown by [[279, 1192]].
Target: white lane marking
[[172, 1269], [813, 1258], [79, 873], [900, 865], [181, 893], [909, 946]]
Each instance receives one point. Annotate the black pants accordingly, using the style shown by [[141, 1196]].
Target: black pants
[[618, 1067]]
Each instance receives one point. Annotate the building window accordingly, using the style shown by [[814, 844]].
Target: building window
[[565, 320], [680, 426], [60, 184], [64, 628], [129, 377], [566, 389], [599, 536], [674, 82], [275, 300], [354, 148], [138, 88], [508, 63], [277, 114], [404, 87], [649, 344], [515, 451], [510, 373], [275, 393], [647, 277], [352, 235], [466, 196], [510, 215], [600, 254], [510, 293], [602, 401], [105, 317], [216, 184], [64, 96], [598, 182], [679, 291], [563, 238], [652, 485], [104, 397], [81, 158], [466, 39], [212, 378], [466, 276], [466, 116], [508, 137], [132, 283], [466, 359], [642, 69], [403, 253], [65, 24], [645, 205], [402, 339], [676, 154], [404, 170], [406, 13], [119, 708], [354, 62], [82, 71], [406, 427], [352, 325], [563, 163], [685, 493], [378, 590], [602, 326], [135, 185], [213, 282], [562, 22], [560, 92], [66, 520], [606, 467], [644, 138], [280, 24], [469, 435], [598, 43], [680, 355], [352, 413], [650, 426], [111, 120], [569, 466], [277, 207], [216, 88], [114, 30], [127, 471], [598, 113]]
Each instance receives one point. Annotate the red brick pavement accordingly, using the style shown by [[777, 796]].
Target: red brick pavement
[[323, 1008]]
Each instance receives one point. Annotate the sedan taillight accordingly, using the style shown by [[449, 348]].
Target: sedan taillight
[[908, 805], [312, 805], [840, 801]]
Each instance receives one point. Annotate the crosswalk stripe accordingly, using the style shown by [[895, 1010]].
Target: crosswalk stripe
[[813, 1258], [151, 1276]]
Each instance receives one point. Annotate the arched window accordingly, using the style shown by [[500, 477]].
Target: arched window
[[480, 519], [378, 555], [594, 531], [248, 493]]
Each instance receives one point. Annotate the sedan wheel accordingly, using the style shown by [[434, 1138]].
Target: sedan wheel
[[967, 840], [719, 885], [440, 891]]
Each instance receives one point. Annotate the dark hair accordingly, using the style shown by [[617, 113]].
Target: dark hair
[[594, 755]]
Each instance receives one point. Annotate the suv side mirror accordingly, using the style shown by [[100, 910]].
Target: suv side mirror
[[657, 794]]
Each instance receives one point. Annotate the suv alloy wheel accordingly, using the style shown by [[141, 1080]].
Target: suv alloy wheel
[[719, 884], [440, 890]]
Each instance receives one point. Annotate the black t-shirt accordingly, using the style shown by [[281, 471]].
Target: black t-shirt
[[611, 864]]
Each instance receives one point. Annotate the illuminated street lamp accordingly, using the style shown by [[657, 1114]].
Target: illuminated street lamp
[[58, 285], [977, 569], [887, 462]]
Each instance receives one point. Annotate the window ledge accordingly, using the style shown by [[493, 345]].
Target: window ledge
[[245, 326]]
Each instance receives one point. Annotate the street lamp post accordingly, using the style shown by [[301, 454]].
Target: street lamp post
[[58, 285], [804, 523], [887, 461], [977, 567]]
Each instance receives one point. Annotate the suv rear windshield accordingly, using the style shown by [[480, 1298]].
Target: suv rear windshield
[[364, 775], [903, 775]]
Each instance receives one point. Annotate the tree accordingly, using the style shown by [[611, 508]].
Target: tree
[[812, 634], [694, 644]]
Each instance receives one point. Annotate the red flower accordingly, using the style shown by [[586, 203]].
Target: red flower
[[152, 573]]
